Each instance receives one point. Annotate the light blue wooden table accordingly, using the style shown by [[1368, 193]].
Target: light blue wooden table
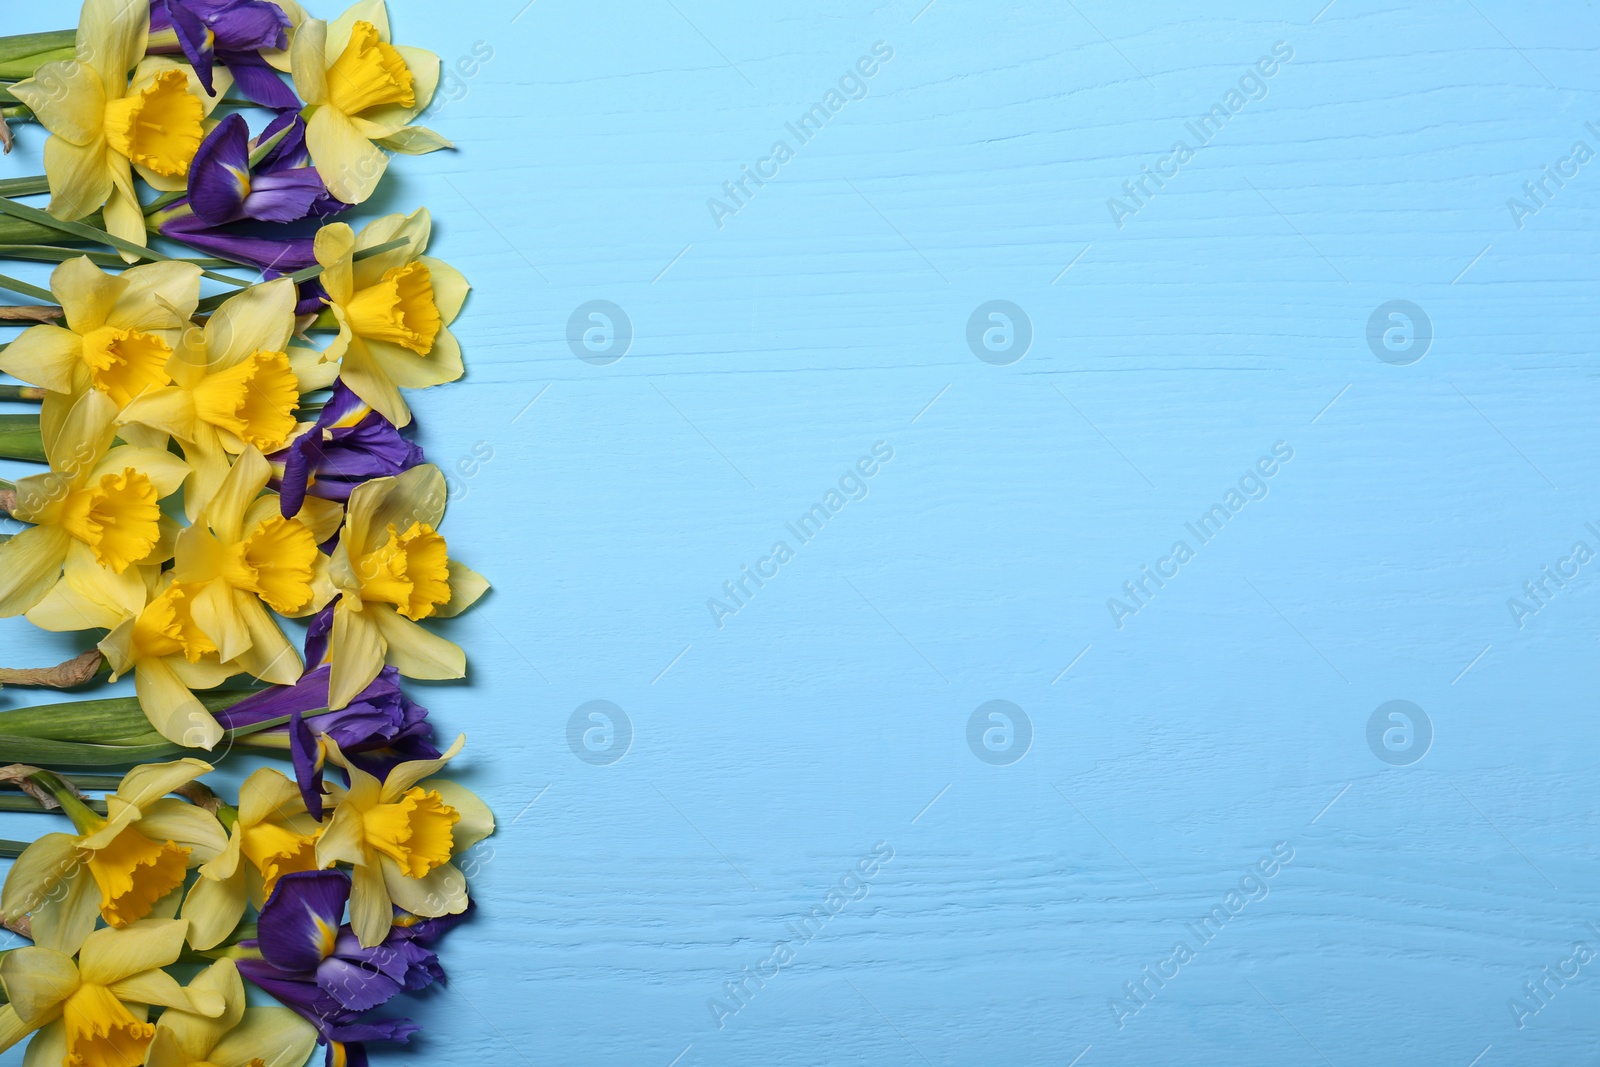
[[1186, 759]]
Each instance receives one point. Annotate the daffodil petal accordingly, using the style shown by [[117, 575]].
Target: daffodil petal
[[260, 318], [408, 370], [157, 296], [30, 563], [158, 987], [80, 178], [111, 38], [450, 288], [416, 652], [214, 907], [44, 355], [185, 824], [37, 981], [442, 891], [361, 372], [370, 910], [357, 655], [476, 822], [13, 1029], [405, 775], [165, 471], [65, 919], [466, 586], [349, 163], [67, 98], [48, 1047], [36, 873], [115, 955], [171, 708], [275, 1036]]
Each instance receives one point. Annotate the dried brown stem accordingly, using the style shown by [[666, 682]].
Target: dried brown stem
[[74, 672]]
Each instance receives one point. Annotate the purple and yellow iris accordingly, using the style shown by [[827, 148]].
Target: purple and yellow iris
[[380, 728], [238, 211], [350, 444], [313, 963], [230, 32]]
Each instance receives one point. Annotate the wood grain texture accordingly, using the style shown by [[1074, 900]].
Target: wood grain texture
[[1227, 314]]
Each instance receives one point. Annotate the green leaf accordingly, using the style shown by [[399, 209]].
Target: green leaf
[[22, 288], [20, 438], [92, 233], [24, 186]]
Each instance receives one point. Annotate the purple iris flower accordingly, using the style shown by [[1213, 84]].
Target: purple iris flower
[[312, 961], [349, 444], [382, 727], [236, 211], [230, 32]]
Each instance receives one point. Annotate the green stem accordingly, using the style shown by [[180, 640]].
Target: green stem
[[24, 289], [58, 254], [33, 214], [38, 183]]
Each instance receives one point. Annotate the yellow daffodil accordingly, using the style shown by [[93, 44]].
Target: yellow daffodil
[[93, 1012], [394, 310], [119, 334], [392, 569], [233, 386], [160, 642], [361, 92], [399, 836], [242, 556], [104, 125], [239, 1037], [271, 836], [117, 867], [96, 514]]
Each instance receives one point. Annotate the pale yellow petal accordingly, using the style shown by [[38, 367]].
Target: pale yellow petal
[[146, 784], [358, 654], [466, 587], [171, 708], [268, 794], [311, 370], [68, 99], [158, 296], [159, 987], [362, 373], [48, 1047], [65, 610], [415, 651], [80, 177], [169, 410], [408, 370], [442, 891], [373, 11], [333, 247], [276, 1036], [124, 217], [45, 356], [409, 773], [270, 657], [113, 955], [371, 914], [260, 318], [450, 288], [30, 563], [415, 228], [38, 872], [350, 165], [214, 908], [37, 980], [67, 917], [306, 61], [111, 38], [477, 821], [187, 825]]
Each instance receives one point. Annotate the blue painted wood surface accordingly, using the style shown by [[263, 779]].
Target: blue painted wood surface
[[1176, 340]]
